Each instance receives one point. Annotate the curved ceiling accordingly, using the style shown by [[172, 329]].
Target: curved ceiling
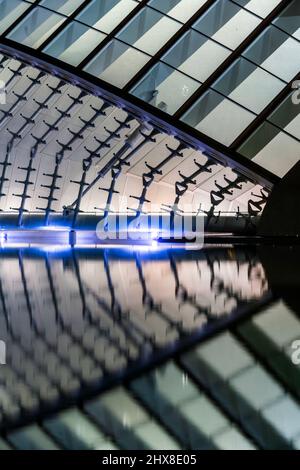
[[63, 147], [194, 65], [206, 52], [179, 92]]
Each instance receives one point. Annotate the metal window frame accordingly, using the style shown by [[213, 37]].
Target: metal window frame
[[141, 110]]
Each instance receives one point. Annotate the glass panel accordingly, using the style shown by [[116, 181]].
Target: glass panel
[[149, 31], [107, 445], [271, 334], [259, 7], [284, 415], [117, 63], [276, 52], [229, 371], [120, 404], [192, 417], [249, 85], [287, 117], [65, 7], [10, 11], [279, 324], [181, 10], [75, 432], [119, 415], [227, 23], [107, 14], [155, 438], [36, 27], [31, 438], [297, 444], [231, 439], [218, 117], [158, 385], [122, 417], [272, 149], [196, 55], [165, 392], [257, 387], [289, 20], [201, 410], [74, 43], [225, 355], [4, 445], [165, 88]]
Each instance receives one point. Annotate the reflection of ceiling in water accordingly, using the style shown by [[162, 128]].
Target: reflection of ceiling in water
[[72, 320], [92, 313], [238, 390]]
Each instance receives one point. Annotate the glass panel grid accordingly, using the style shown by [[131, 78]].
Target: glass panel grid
[[76, 432], [230, 372]]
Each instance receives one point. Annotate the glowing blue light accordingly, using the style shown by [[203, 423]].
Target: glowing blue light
[[3, 237], [58, 238], [54, 228], [155, 234], [54, 248]]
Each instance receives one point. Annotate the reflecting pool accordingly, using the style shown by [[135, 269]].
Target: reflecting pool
[[126, 349]]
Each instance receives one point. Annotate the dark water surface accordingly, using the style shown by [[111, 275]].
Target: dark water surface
[[148, 350]]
